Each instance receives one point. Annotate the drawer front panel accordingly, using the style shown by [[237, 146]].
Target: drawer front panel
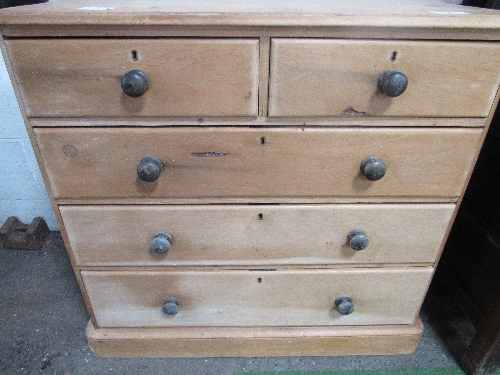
[[256, 298], [234, 162], [255, 235], [187, 77], [321, 77]]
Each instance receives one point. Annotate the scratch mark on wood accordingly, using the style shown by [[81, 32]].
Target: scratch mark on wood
[[209, 154], [349, 111]]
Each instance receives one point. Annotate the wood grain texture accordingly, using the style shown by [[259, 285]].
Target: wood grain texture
[[256, 297], [253, 200], [253, 341], [132, 121], [188, 77], [255, 235], [53, 202], [317, 77], [250, 284], [394, 13], [101, 163], [221, 30]]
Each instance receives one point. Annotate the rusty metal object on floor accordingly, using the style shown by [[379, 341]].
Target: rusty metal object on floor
[[16, 235]]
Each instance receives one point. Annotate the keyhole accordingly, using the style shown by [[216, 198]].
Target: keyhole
[[260, 216], [259, 279], [394, 55], [262, 141], [135, 55]]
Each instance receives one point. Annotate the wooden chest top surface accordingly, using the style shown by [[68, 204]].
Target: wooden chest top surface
[[387, 13]]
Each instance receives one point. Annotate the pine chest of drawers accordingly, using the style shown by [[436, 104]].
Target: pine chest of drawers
[[254, 178]]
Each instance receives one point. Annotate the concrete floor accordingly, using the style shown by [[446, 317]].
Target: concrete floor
[[43, 319]]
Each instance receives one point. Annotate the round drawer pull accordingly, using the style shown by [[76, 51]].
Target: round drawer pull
[[344, 305], [357, 239], [171, 306], [161, 242], [135, 83], [392, 83], [149, 169], [373, 168]]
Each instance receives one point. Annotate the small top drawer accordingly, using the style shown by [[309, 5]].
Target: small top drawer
[[322, 77], [183, 77]]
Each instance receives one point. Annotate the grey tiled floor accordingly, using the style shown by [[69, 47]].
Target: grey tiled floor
[[43, 319]]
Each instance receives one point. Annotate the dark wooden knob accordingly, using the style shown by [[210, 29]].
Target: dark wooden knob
[[357, 239], [171, 306], [392, 83], [149, 169], [373, 168], [161, 242], [135, 83], [344, 305]]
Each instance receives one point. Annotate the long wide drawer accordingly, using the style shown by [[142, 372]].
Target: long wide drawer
[[187, 77], [255, 235], [324, 77], [233, 162], [255, 298]]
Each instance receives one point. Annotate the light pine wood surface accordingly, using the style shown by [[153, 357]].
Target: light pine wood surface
[[255, 235], [188, 77], [254, 341], [256, 298], [346, 120], [321, 77], [101, 163], [360, 13], [261, 113]]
